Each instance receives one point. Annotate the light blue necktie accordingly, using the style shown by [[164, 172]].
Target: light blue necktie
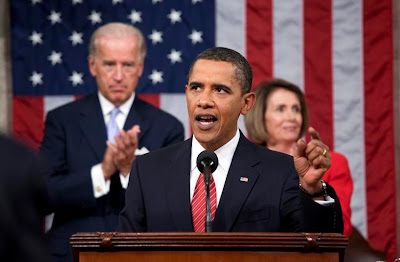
[[112, 127]]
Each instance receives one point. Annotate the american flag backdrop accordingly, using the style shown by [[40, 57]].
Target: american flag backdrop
[[339, 51]]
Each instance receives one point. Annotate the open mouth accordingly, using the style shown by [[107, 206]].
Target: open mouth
[[206, 121]]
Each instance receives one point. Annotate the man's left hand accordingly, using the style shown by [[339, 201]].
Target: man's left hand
[[311, 161], [124, 149]]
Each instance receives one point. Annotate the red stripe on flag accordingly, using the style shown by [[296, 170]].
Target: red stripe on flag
[[259, 39], [28, 115], [379, 136], [77, 97], [153, 99], [318, 66]]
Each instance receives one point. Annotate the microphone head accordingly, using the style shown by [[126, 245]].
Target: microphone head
[[207, 157]]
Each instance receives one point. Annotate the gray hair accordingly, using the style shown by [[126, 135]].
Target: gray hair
[[117, 30]]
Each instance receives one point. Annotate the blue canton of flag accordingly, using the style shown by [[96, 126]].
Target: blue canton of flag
[[50, 42]]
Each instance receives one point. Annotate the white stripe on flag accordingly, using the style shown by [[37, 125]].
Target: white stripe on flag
[[52, 102], [288, 41], [231, 31], [241, 125], [230, 24], [348, 100], [175, 104]]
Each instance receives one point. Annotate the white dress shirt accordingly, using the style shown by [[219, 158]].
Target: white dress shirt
[[224, 154], [101, 186]]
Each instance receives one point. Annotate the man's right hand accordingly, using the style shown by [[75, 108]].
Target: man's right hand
[[108, 165], [125, 147], [119, 157]]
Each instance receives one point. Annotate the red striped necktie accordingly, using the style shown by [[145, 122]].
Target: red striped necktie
[[199, 204]]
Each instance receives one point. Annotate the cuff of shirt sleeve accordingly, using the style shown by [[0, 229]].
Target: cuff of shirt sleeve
[[327, 202], [124, 180], [101, 187]]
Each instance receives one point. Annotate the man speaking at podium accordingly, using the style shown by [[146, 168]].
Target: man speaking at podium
[[252, 188]]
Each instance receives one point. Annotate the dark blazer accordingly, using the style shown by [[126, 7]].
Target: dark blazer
[[22, 204], [74, 141], [157, 198]]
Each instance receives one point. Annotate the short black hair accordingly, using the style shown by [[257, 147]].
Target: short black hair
[[243, 71]]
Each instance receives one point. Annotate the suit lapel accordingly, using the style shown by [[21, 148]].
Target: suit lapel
[[93, 126], [135, 117], [235, 191], [177, 187]]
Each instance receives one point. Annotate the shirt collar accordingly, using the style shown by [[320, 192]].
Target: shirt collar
[[107, 106], [224, 153]]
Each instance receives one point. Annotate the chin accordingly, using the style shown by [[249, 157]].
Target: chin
[[292, 139], [287, 138], [203, 137], [119, 100]]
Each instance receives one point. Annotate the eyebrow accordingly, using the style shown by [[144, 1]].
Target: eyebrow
[[196, 84], [222, 86], [283, 104]]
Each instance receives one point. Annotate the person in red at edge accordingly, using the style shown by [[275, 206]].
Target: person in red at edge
[[279, 118]]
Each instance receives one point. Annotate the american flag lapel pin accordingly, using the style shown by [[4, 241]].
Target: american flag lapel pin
[[244, 179]]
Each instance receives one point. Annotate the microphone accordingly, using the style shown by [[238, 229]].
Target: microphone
[[207, 163], [207, 158]]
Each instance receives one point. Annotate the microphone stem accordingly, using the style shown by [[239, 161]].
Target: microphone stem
[[207, 176]]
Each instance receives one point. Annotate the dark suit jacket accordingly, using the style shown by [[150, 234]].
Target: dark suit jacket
[[157, 198], [74, 141], [22, 204]]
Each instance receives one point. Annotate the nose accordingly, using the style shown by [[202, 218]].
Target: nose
[[206, 99], [118, 73], [290, 115]]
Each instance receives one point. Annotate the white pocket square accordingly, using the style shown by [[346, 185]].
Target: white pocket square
[[141, 151]]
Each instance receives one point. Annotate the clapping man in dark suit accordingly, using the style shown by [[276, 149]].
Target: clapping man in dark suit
[[253, 188], [89, 176]]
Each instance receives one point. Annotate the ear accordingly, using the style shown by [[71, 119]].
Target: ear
[[140, 68], [248, 101], [92, 67]]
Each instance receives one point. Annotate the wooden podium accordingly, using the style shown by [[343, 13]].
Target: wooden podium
[[232, 247]]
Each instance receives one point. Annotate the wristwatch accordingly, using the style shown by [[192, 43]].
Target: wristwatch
[[323, 191]]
